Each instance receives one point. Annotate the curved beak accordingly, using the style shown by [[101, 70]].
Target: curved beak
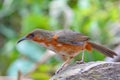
[[22, 39]]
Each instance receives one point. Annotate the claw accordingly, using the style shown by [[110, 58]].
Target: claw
[[80, 62], [58, 71]]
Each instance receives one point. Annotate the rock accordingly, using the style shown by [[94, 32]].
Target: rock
[[90, 71]]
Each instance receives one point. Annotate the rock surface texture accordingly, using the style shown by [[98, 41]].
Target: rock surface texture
[[90, 71]]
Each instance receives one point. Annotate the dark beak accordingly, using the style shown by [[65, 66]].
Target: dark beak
[[22, 39]]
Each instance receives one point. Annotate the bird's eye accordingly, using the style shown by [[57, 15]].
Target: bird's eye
[[30, 36]]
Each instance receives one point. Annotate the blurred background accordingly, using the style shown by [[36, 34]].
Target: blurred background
[[98, 19]]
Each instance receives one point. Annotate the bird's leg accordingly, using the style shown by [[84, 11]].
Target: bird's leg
[[64, 65], [82, 60]]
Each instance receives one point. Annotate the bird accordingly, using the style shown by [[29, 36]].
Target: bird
[[66, 43]]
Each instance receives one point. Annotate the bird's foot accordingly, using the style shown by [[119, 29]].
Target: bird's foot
[[58, 71], [80, 62]]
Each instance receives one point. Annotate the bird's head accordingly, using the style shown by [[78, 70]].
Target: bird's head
[[34, 35]]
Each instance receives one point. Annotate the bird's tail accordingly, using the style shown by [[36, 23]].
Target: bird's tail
[[102, 49]]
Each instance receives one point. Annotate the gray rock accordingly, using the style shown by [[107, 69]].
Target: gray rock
[[90, 71]]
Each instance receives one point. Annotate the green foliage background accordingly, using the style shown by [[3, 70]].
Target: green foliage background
[[18, 17]]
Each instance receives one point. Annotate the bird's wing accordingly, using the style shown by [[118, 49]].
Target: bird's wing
[[70, 37]]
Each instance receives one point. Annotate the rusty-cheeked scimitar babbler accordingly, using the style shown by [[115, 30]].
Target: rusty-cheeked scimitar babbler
[[66, 43]]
